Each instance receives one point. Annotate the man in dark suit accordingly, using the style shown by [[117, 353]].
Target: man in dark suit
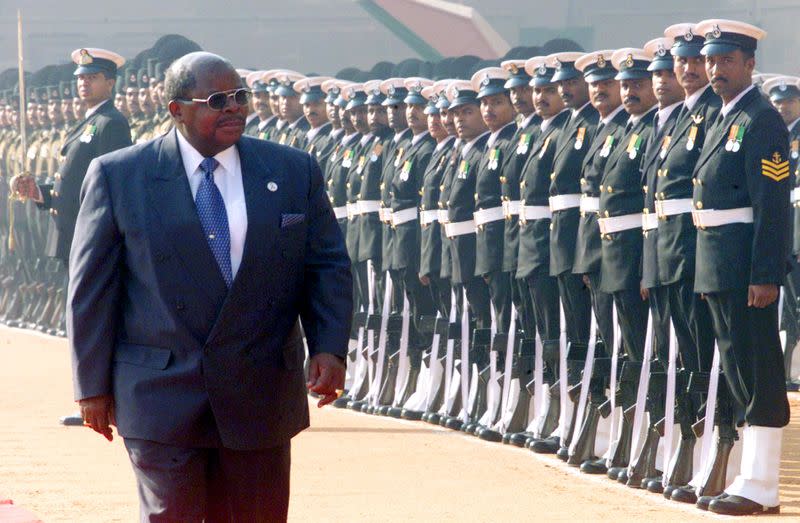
[[741, 202], [195, 256]]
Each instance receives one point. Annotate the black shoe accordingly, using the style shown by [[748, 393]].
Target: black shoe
[[412, 415], [73, 420], [394, 412], [549, 445], [668, 490], [594, 466], [520, 439], [490, 435], [341, 403], [685, 494], [622, 477], [655, 485], [739, 506], [454, 424], [563, 453], [704, 501], [433, 418]]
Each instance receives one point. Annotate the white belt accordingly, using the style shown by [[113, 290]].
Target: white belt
[[715, 218], [795, 195], [352, 210], [511, 208], [563, 202], [404, 216], [340, 212], [590, 204], [535, 212], [444, 217], [620, 223], [368, 206], [484, 216], [649, 221], [459, 228], [666, 208], [385, 214], [428, 217]]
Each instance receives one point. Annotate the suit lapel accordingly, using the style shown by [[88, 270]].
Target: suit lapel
[[720, 134], [171, 198]]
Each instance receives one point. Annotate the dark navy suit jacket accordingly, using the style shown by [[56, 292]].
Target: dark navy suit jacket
[[151, 321]]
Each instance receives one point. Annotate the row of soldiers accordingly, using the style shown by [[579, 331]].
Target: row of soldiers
[[33, 281], [603, 234]]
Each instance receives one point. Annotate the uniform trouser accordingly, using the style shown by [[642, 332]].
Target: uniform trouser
[[478, 298], [543, 290], [659, 310], [521, 298], [576, 298], [692, 320], [632, 318], [439, 291], [791, 319], [499, 283], [419, 303], [360, 285], [603, 306], [751, 356]]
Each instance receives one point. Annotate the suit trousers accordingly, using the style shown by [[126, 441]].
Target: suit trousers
[[659, 310], [419, 304], [521, 298], [543, 290], [499, 283], [791, 318], [360, 285], [187, 485], [751, 356], [576, 298], [439, 290]]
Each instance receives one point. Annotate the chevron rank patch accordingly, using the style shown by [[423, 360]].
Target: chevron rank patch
[[776, 168]]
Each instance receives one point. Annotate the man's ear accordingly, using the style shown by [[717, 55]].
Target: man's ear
[[176, 110]]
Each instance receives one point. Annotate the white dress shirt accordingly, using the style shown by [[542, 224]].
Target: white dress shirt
[[93, 109], [728, 107], [228, 178]]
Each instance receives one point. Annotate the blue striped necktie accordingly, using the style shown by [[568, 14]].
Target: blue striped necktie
[[214, 219]]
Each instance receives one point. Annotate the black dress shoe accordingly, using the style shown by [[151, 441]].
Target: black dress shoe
[[563, 453], [704, 501], [394, 412], [73, 420], [549, 445], [622, 477], [685, 494], [739, 506], [520, 439], [613, 472], [412, 415], [594, 466], [655, 485], [341, 403], [668, 490], [433, 418], [454, 424], [490, 435]]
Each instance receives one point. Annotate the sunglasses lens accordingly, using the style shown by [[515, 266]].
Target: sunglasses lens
[[217, 101], [242, 97]]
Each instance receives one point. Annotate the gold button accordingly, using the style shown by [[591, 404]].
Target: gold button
[[644, 189], [502, 179], [522, 183], [662, 195], [382, 186], [441, 187], [54, 212], [348, 184], [609, 189], [583, 181], [476, 197], [698, 205], [421, 191], [602, 189], [551, 226], [552, 176], [608, 215], [57, 176], [441, 205]]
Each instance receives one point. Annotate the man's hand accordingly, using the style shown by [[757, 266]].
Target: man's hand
[[759, 296], [98, 413], [24, 187], [644, 293], [424, 280], [325, 376]]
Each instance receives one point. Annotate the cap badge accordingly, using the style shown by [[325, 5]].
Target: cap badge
[[85, 58], [307, 89], [351, 92], [662, 51], [334, 90], [377, 92], [513, 68], [417, 87], [601, 61], [782, 86], [688, 35], [716, 32], [542, 70], [558, 64], [629, 61], [486, 80], [391, 90]]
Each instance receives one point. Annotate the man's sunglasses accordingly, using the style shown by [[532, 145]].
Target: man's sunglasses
[[218, 101]]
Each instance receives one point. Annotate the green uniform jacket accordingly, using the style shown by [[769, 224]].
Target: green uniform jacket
[[606, 140], [392, 154], [753, 174], [430, 262], [573, 143], [534, 235], [368, 168], [450, 171], [488, 194], [405, 194], [509, 186]]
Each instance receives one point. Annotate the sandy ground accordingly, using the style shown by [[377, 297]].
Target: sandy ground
[[347, 467]]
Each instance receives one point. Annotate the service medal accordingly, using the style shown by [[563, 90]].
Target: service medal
[[579, 138], [524, 143]]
